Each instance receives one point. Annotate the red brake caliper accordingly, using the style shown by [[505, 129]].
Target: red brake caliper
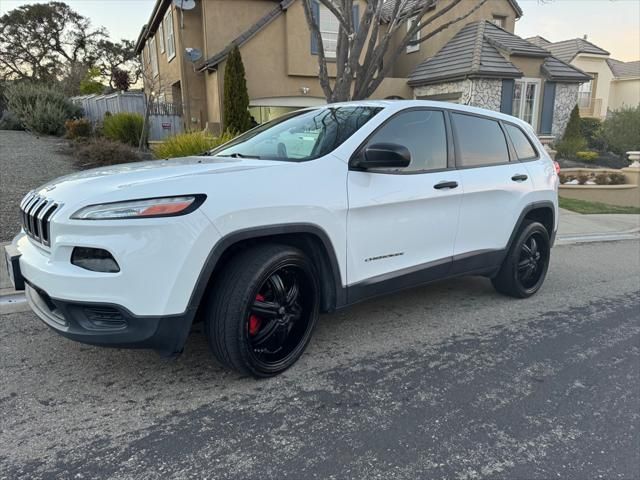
[[254, 321]]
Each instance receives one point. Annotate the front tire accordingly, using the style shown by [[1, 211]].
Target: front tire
[[525, 267], [262, 312]]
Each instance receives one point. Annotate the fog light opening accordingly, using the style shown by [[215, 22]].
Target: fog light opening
[[94, 259]]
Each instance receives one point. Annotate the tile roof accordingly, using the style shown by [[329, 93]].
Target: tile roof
[[468, 54], [624, 70], [480, 50], [567, 50], [560, 71], [538, 41], [213, 61], [413, 6]]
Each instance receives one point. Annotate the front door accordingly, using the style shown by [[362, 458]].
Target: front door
[[402, 222]]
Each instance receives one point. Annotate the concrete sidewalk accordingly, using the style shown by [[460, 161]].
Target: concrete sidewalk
[[578, 228]]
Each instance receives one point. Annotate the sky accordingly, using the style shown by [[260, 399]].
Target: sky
[[611, 24]]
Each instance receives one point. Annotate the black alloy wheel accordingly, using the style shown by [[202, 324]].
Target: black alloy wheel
[[525, 267], [263, 309]]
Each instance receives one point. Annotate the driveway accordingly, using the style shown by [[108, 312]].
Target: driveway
[[26, 162], [448, 381]]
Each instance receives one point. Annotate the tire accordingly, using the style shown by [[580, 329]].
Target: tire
[[525, 267], [263, 309]]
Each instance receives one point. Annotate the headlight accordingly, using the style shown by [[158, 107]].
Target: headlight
[[142, 208]]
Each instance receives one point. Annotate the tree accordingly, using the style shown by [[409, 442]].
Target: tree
[[236, 97], [360, 51], [91, 83], [120, 80], [117, 57], [573, 129], [41, 42]]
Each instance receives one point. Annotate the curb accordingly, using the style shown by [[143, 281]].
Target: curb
[[598, 237]]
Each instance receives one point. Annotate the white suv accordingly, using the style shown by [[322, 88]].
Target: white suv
[[312, 212]]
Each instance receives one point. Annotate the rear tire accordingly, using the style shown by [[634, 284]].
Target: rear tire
[[525, 267], [263, 309]]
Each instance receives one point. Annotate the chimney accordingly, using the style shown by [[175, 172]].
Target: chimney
[[584, 37]]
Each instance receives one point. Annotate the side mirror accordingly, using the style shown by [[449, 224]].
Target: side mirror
[[383, 155]]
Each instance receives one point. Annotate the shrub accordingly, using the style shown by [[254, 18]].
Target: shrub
[[191, 143], [9, 121], [236, 97], [98, 152], [621, 130], [583, 178], [563, 178], [617, 179], [568, 148], [573, 128], [587, 156], [124, 127], [78, 128], [40, 108], [591, 131], [602, 179]]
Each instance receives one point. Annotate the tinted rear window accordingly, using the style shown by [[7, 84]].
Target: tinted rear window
[[521, 143], [480, 141]]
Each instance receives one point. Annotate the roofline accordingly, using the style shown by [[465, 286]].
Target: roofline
[[517, 8], [151, 26], [464, 76]]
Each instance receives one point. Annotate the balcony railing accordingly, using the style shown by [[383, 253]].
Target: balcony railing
[[592, 108]]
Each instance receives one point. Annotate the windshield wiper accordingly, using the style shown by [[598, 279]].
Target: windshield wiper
[[239, 155]]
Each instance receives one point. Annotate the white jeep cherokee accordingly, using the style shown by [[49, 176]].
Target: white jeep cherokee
[[314, 211]]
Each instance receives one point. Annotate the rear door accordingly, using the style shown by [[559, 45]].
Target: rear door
[[495, 185], [401, 221]]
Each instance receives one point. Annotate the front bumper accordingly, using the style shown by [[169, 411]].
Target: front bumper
[[109, 325]]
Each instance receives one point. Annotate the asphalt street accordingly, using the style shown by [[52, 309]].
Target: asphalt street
[[448, 381]]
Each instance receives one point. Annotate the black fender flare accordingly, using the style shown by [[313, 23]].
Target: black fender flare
[[530, 207]]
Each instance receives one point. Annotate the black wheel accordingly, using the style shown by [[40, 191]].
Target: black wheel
[[263, 309], [524, 269]]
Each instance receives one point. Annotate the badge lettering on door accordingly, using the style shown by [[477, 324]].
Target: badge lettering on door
[[382, 257]]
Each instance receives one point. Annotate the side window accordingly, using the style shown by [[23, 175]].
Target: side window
[[521, 143], [480, 140], [422, 132]]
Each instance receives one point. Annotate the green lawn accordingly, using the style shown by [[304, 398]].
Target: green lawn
[[581, 206]]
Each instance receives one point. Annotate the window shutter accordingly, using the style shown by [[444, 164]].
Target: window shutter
[[548, 101], [356, 17], [506, 101], [315, 12]]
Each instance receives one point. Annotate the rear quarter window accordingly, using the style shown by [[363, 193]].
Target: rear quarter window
[[522, 144]]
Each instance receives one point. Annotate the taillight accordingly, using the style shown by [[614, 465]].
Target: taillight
[[557, 166]]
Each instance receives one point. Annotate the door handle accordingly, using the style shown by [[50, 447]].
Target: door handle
[[519, 177], [445, 184]]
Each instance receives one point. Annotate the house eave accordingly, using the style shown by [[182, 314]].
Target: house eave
[[458, 78], [150, 28]]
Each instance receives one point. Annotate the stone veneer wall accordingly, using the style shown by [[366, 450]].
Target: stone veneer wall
[[566, 99], [480, 92]]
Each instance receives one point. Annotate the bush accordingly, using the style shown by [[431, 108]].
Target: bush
[[39, 108], [621, 130], [124, 127], [192, 143], [99, 152], [236, 98], [591, 130], [563, 178], [78, 128], [9, 121], [617, 179], [583, 178], [602, 179], [568, 148], [587, 156], [573, 128]]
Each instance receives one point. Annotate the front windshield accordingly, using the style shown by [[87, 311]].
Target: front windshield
[[299, 136]]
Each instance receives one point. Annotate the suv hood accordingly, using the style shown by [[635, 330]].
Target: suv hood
[[145, 176]]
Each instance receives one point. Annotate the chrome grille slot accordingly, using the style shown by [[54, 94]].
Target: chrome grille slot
[[36, 212]]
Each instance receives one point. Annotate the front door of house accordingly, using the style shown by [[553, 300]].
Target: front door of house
[[526, 97]]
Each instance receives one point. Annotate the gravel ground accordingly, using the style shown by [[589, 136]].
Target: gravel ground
[[26, 162], [448, 381]]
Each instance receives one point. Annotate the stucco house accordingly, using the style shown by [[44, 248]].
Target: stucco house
[[478, 61], [614, 83]]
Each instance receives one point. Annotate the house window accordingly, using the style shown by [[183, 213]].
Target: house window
[[329, 26], [153, 54], [170, 40], [161, 37], [413, 48], [585, 93], [526, 98], [500, 21]]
